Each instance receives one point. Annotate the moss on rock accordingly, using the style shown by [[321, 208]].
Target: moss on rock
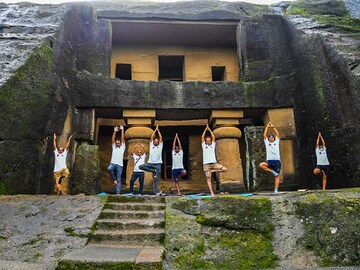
[[219, 233], [332, 226]]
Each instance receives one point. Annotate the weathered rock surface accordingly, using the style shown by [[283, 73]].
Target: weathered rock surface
[[219, 233], [184, 10], [41, 229], [294, 230], [24, 27], [86, 173]]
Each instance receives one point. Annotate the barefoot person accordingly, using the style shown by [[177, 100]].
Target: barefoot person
[[322, 162], [210, 164], [117, 158], [155, 158], [273, 163], [177, 163], [61, 172], [139, 156]]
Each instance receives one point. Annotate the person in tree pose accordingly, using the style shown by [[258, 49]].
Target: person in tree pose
[[177, 163], [273, 163], [155, 159], [210, 164], [61, 172], [322, 161], [116, 165], [139, 156]]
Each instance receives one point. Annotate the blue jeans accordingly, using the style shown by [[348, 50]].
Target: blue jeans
[[134, 176], [115, 172], [155, 168]]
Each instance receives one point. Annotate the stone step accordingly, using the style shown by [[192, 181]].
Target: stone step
[[146, 237], [147, 206], [99, 257], [129, 214], [126, 224], [139, 199]]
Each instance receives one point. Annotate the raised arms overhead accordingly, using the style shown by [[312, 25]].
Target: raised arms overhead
[[68, 143], [270, 125], [116, 129], [54, 141], [204, 133], [178, 139], [160, 136], [138, 144], [122, 134], [174, 143], [322, 140]]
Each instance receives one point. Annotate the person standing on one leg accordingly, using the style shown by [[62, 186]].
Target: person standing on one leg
[[210, 164], [117, 158], [155, 158], [139, 159], [177, 163], [322, 162], [60, 169], [273, 163]]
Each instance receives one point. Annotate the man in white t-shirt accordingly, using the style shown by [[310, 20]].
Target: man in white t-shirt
[[177, 163], [61, 172], [273, 163], [117, 158], [155, 159], [210, 164], [322, 161], [139, 157]]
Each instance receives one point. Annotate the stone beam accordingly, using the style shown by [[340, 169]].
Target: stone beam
[[196, 122]]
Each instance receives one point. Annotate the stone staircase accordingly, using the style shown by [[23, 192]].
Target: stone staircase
[[129, 234]]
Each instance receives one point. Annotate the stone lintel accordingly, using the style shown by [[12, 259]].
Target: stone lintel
[[237, 114], [195, 122], [225, 122], [139, 113], [110, 122], [139, 121]]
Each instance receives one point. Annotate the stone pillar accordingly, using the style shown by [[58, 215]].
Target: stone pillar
[[139, 122], [228, 149]]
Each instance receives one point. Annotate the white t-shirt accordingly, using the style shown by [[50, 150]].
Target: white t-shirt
[[138, 160], [155, 155], [177, 160], [209, 153], [60, 160], [117, 156], [321, 156], [272, 149]]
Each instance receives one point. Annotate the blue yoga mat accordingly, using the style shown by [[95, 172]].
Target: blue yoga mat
[[209, 196]]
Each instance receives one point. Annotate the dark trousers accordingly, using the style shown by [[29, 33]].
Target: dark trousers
[[134, 177], [155, 168]]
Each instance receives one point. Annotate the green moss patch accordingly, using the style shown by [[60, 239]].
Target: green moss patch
[[332, 227], [219, 233], [330, 12]]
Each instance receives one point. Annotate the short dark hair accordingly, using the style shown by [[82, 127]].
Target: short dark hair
[[271, 135]]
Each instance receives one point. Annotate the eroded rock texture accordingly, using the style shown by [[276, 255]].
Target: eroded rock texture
[[292, 61]]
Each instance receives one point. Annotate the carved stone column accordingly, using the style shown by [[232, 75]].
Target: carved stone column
[[228, 149], [139, 122]]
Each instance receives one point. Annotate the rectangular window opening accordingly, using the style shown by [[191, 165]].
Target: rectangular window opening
[[218, 73], [171, 68], [123, 71]]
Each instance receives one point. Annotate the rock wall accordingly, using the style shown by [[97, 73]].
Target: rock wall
[[221, 233]]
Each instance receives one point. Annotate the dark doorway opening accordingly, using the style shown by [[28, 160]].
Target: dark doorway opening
[[218, 73], [171, 68], [123, 71]]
